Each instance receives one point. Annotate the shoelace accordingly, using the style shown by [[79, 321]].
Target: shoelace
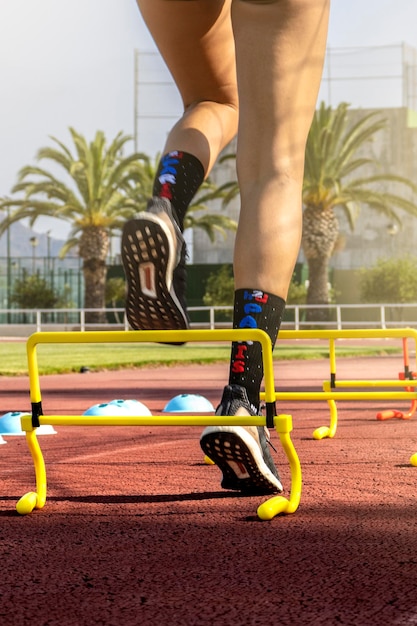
[[268, 439], [267, 435], [269, 442]]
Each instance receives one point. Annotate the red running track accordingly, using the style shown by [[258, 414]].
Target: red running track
[[136, 530]]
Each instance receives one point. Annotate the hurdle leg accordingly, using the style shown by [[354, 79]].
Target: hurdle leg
[[406, 374], [323, 432], [279, 504], [33, 500]]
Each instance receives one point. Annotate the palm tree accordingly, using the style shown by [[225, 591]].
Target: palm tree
[[101, 191], [92, 200], [332, 158], [331, 182]]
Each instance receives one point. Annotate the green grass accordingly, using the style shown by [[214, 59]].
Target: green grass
[[64, 358]]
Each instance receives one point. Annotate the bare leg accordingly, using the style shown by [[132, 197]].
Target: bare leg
[[195, 39], [280, 48], [273, 50]]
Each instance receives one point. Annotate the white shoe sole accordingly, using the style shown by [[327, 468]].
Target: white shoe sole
[[240, 459], [149, 256]]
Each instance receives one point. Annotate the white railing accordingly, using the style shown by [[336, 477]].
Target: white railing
[[297, 317]]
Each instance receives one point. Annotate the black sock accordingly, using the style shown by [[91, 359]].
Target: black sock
[[178, 178], [253, 309]]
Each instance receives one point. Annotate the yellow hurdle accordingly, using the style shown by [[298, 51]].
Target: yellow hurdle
[[282, 423], [330, 391]]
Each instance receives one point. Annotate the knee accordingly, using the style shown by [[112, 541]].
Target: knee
[[217, 98], [223, 112], [261, 1], [287, 2]]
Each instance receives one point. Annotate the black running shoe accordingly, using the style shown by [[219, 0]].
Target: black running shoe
[[154, 264], [241, 452]]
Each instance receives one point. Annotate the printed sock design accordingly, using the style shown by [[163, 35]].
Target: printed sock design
[[253, 309], [178, 178]]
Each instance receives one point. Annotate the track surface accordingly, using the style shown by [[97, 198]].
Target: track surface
[[136, 530]]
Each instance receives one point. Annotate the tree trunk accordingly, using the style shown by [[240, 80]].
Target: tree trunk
[[320, 232], [94, 246], [95, 272], [318, 289]]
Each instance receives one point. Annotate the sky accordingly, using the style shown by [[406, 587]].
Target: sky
[[71, 63]]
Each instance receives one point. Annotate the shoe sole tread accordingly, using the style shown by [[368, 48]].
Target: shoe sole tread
[[233, 452], [148, 255]]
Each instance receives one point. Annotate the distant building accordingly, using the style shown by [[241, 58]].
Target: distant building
[[375, 236]]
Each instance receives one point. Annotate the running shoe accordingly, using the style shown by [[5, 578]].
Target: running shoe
[[154, 263], [241, 452]]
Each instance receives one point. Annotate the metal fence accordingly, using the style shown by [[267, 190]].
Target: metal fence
[[370, 77], [22, 322], [367, 77]]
